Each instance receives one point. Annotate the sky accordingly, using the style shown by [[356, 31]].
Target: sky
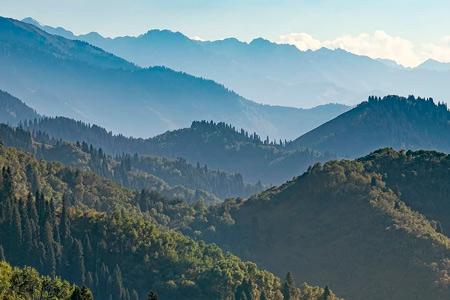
[[407, 31]]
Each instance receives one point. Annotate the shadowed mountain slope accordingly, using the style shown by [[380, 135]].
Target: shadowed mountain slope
[[392, 121]]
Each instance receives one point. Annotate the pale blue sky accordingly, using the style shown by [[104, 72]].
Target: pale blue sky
[[418, 21], [413, 19]]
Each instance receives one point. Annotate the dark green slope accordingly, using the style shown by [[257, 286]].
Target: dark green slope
[[340, 224], [421, 179], [172, 178], [401, 123], [218, 145], [116, 250]]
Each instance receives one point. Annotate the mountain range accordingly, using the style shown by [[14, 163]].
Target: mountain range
[[58, 76], [217, 145], [274, 73], [392, 121], [174, 178], [132, 181]]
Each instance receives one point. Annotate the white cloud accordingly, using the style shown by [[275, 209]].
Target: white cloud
[[303, 41], [376, 45], [197, 38], [439, 51]]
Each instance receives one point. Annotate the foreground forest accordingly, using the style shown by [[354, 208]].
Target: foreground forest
[[27, 283], [371, 217], [90, 231], [373, 228]]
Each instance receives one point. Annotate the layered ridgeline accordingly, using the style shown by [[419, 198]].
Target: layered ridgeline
[[218, 145], [392, 121], [276, 73], [372, 229], [91, 231], [57, 76], [172, 178], [13, 111]]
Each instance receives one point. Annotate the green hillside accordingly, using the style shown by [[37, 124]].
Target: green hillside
[[171, 177], [346, 225], [91, 231]]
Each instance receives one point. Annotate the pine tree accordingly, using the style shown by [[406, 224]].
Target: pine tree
[[290, 291], [41, 208], [17, 229], [2, 254], [326, 294], [64, 223], [49, 249], [76, 266], [118, 288]]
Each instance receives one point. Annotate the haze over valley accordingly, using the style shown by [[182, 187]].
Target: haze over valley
[[142, 163]]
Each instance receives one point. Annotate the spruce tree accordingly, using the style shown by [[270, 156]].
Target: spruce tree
[[49, 249], [2, 254], [76, 270], [290, 291], [118, 288], [326, 294], [64, 223]]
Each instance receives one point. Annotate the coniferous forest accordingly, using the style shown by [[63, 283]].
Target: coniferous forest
[[126, 182]]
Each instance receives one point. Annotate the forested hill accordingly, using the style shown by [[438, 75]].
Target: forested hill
[[218, 145], [376, 228], [93, 232], [421, 179], [174, 178], [392, 121], [13, 111], [62, 77], [27, 283]]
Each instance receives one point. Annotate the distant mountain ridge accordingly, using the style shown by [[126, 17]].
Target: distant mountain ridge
[[58, 76], [277, 73], [401, 123], [218, 145], [434, 65]]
